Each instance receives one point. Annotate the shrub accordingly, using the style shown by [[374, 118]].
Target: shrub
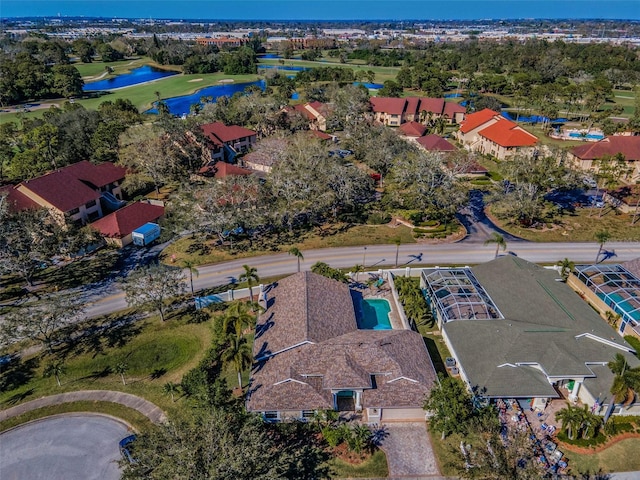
[[378, 218], [334, 436]]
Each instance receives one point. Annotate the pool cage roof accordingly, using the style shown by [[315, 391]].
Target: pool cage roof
[[618, 288], [458, 295]]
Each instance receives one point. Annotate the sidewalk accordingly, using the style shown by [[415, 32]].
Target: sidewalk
[[148, 409]]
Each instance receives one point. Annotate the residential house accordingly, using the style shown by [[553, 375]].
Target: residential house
[[489, 133], [226, 142], [435, 143], [220, 170], [516, 331], [315, 112], [584, 156], [117, 227], [396, 111], [76, 192], [412, 129], [265, 155], [310, 355]]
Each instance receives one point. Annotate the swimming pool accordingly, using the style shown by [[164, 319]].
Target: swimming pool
[[625, 307], [374, 314], [590, 136]]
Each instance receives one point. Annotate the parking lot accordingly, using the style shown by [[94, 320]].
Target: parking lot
[[77, 446]]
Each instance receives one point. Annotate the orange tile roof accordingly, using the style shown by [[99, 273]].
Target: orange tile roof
[[508, 134], [474, 120]]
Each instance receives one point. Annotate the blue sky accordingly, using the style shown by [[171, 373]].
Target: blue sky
[[328, 9]]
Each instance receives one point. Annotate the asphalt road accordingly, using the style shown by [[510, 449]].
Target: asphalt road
[[73, 447], [462, 253]]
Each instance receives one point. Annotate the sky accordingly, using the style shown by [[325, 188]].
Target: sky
[[328, 9]]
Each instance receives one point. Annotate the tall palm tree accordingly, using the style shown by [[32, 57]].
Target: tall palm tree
[[590, 423], [55, 369], [238, 353], [121, 368], [238, 317], [566, 267], [357, 269], [571, 419], [190, 265], [250, 276], [602, 237], [298, 254], [612, 318], [498, 240], [171, 388], [626, 381]]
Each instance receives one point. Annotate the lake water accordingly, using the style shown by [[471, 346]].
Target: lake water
[[181, 105], [370, 86], [134, 77], [289, 68]]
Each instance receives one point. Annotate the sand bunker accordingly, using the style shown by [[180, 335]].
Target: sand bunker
[[195, 80]]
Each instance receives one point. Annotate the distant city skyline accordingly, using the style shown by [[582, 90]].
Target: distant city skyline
[[328, 10]]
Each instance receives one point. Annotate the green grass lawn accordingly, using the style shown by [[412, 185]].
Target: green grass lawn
[[615, 458], [155, 352], [336, 236], [142, 96], [381, 73], [580, 227], [374, 467]]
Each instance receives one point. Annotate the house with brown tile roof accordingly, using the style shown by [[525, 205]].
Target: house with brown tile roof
[[435, 143], [412, 129], [316, 112], [73, 191], [310, 355], [584, 156], [265, 155], [488, 132], [222, 170], [396, 111], [225, 142], [117, 227]]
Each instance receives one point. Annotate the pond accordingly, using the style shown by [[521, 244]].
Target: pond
[[134, 77], [370, 86], [289, 68], [182, 105]]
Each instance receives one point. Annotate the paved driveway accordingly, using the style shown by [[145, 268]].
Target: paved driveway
[[73, 447], [408, 449]]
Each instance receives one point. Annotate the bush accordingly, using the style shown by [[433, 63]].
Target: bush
[[581, 442], [378, 218], [334, 436], [634, 342], [429, 223]]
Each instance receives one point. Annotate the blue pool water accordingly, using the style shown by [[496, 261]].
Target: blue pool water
[[181, 105], [370, 86], [452, 95], [374, 313], [134, 77], [592, 136], [620, 305], [295, 96]]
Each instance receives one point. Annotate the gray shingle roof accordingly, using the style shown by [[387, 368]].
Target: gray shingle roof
[[546, 323]]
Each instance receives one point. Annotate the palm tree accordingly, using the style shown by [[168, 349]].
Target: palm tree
[[298, 254], [239, 354], [238, 317], [627, 380], [498, 240], [571, 419], [121, 368], [190, 265], [602, 237], [250, 276], [566, 267], [171, 388], [55, 369], [397, 241], [590, 423], [612, 318], [357, 269]]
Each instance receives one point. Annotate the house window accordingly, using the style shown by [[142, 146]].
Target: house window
[[74, 211], [308, 414], [271, 416], [90, 204]]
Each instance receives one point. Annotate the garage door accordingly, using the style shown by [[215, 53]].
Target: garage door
[[403, 415]]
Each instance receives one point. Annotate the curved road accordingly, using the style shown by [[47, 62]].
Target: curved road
[[462, 253]]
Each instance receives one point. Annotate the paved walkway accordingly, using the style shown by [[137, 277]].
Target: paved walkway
[[408, 449], [148, 409]]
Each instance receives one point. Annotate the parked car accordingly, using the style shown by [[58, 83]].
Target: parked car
[[590, 182], [597, 202]]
